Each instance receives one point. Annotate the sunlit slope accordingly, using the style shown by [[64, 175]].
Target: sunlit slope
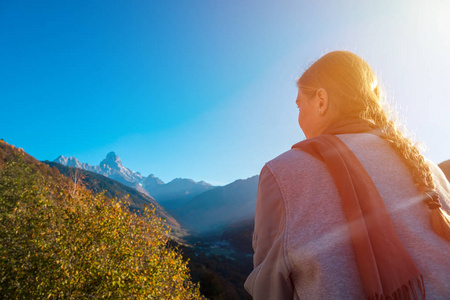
[[99, 183]]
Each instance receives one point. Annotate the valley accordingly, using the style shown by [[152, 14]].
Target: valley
[[211, 226]]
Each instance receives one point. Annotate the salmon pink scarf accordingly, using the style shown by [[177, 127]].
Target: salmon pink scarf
[[386, 269]]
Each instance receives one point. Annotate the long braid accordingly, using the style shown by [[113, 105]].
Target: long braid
[[420, 170], [416, 163]]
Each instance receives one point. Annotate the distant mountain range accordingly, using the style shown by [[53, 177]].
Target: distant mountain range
[[178, 189], [177, 192], [110, 167], [219, 207], [197, 206]]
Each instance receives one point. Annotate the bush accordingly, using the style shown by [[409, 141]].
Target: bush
[[61, 241]]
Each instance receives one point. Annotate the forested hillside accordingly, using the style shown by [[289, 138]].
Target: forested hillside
[[60, 241], [98, 183]]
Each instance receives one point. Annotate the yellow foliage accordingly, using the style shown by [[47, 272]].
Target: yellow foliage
[[57, 243]]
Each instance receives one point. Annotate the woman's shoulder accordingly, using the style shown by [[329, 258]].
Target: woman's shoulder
[[295, 164], [371, 149], [290, 158], [359, 142]]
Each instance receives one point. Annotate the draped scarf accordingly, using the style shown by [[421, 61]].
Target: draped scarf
[[385, 267]]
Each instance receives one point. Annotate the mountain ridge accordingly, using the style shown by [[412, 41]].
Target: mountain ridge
[[219, 207], [98, 183], [111, 166]]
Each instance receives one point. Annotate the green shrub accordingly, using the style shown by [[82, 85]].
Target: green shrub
[[61, 241]]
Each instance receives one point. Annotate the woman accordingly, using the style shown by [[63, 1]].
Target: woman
[[354, 211]]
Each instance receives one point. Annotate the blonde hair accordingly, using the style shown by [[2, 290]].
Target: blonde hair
[[354, 92]]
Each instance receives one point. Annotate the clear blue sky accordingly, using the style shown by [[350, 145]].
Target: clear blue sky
[[204, 89]]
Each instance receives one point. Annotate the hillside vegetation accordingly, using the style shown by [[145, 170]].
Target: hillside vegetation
[[97, 183], [59, 240]]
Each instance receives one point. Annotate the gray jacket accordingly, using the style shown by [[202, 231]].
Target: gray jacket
[[302, 242]]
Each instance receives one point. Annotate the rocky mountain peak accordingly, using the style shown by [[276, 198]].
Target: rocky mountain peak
[[61, 159], [201, 182], [112, 161], [70, 162], [151, 182], [112, 156]]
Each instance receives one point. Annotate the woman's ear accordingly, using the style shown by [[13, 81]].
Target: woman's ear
[[322, 101]]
